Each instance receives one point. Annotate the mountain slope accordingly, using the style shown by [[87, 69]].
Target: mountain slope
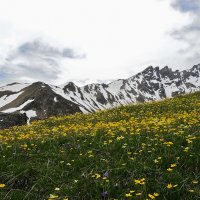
[[39, 100], [142, 152]]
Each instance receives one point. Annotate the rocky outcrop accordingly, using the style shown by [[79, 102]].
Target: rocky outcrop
[[37, 101], [12, 119]]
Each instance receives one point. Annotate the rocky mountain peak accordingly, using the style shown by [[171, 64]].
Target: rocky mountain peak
[[70, 87], [40, 100]]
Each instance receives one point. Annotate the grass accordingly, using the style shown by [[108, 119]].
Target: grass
[[143, 151]]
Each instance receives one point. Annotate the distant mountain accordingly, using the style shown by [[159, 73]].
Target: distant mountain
[[40, 100]]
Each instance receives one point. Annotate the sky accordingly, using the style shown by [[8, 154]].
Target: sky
[[57, 41]]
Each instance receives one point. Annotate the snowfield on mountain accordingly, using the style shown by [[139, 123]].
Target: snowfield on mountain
[[40, 100]]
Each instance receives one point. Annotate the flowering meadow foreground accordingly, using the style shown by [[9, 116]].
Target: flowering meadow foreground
[[143, 151]]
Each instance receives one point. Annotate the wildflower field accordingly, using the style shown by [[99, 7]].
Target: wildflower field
[[143, 151]]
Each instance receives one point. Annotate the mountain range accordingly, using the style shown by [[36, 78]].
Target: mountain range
[[29, 101]]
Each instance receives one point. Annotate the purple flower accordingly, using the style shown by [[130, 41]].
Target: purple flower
[[106, 174], [104, 194]]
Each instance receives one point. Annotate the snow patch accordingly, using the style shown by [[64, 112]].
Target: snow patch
[[83, 109], [7, 99], [115, 86], [10, 110], [16, 87], [29, 114], [55, 99]]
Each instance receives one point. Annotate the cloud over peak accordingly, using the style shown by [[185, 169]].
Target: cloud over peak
[[36, 60], [186, 5], [190, 32], [119, 37], [42, 48]]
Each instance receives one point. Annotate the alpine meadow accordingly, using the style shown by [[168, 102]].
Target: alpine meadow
[[140, 151]]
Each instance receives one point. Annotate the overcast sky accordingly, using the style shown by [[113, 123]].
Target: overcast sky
[[86, 41]]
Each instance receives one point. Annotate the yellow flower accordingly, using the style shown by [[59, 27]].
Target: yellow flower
[[186, 149], [173, 165], [169, 186], [2, 185], [168, 143], [139, 181], [151, 196], [169, 169], [190, 190], [52, 196], [175, 186], [128, 195], [138, 194], [110, 141], [195, 182], [120, 137], [156, 161], [97, 176], [155, 194]]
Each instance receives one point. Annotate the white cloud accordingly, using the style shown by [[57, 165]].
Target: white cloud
[[190, 32], [119, 37], [35, 61]]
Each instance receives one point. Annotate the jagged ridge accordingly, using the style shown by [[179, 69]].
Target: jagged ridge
[[40, 100]]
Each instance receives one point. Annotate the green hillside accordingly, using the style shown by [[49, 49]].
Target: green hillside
[[143, 151]]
